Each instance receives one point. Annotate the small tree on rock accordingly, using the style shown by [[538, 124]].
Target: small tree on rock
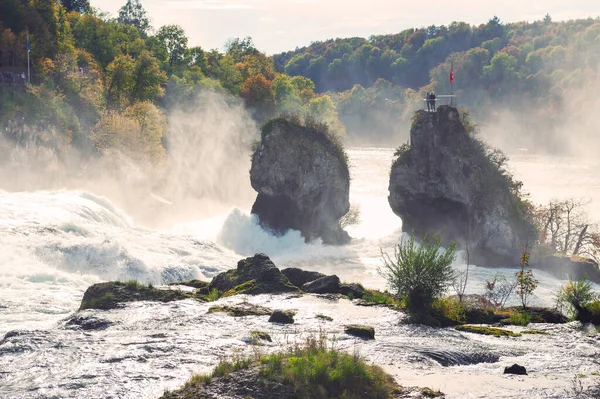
[[526, 282], [419, 273]]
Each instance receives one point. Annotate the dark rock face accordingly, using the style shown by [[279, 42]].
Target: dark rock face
[[360, 331], [87, 323], [573, 267], [282, 316], [255, 275], [323, 285], [299, 277], [446, 184], [356, 290], [303, 182], [112, 295], [515, 369]]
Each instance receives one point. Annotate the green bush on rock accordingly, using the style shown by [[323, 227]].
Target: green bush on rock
[[313, 370]]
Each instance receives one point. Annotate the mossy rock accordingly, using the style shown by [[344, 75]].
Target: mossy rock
[[193, 284], [535, 332], [253, 276], [114, 294], [324, 317], [261, 336], [496, 332], [360, 331], [542, 315], [245, 309], [430, 393]]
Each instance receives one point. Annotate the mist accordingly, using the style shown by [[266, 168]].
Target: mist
[[206, 170]]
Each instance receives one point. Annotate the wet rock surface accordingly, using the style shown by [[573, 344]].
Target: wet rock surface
[[302, 180], [114, 294], [299, 277], [87, 323], [515, 369], [254, 275], [282, 317], [323, 285], [444, 183]]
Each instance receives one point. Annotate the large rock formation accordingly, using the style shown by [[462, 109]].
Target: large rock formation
[[302, 180], [445, 183]]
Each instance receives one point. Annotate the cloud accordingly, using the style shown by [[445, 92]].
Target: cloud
[[209, 5]]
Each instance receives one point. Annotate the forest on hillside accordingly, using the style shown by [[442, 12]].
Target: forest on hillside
[[538, 70], [106, 82]]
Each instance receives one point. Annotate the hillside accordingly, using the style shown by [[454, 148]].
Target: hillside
[[533, 69]]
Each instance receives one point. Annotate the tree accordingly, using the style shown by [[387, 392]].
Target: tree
[[174, 41], [147, 79], [119, 81], [153, 126], [133, 13], [239, 48], [526, 283], [258, 94], [419, 273], [80, 6]]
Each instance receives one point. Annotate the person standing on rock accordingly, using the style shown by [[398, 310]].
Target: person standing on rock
[[428, 101], [432, 101]]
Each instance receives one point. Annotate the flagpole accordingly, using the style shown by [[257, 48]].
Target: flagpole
[[28, 68]]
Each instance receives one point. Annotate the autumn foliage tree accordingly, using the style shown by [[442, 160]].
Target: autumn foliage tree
[[258, 94]]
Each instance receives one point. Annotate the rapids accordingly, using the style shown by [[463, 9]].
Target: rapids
[[56, 243]]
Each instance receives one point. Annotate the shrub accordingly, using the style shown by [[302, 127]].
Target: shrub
[[577, 294], [498, 290], [519, 318], [419, 273]]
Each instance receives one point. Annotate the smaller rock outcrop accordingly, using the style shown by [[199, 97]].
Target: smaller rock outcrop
[[447, 182], [254, 275], [112, 295], [323, 285], [87, 323], [352, 290], [302, 179], [515, 369], [360, 331], [299, 277], [282, 316]]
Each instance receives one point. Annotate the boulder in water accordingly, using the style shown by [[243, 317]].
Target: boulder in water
[[254, 275], [301, 175], [515, 369], [360, 331], [114, 294], [282, 316], [445, 182], [299, 277], [323, 285]]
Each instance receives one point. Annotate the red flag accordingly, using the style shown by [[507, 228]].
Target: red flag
[[452, 74]]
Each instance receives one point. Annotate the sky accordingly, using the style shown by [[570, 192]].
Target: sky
[[281, 25]]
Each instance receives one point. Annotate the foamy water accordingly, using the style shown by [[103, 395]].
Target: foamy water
[[57, 243]]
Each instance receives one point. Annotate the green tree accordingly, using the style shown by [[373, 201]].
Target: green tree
[[239, 48], [147, 79], [119, 82], [526, 282], [172, 38], [80, 6], [133, 13]]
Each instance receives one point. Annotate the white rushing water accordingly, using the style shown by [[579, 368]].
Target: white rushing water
[[57, 243]]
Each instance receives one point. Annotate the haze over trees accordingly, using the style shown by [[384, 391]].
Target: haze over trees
[[85, 63]]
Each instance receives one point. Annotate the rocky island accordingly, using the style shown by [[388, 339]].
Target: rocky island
[[301, 175], [445, 182]]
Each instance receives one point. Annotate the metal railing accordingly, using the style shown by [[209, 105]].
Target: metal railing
[[442, 99]]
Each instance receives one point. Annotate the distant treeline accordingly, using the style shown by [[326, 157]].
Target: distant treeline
[[534, 66]]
